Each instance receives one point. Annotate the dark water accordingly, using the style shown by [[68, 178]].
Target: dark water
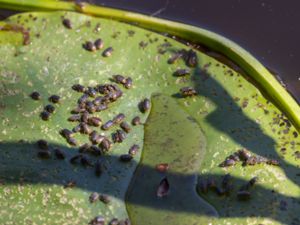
[[268, 29]]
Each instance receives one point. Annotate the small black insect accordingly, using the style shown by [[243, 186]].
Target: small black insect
[[126, 158], [98, 101], [107, 125], [244, 154], [76, 129], [78, 88], [89, 46], [85, 129], [90, 107], [66, 133], [175, 57], [49, 108], [96, 138], [75, 158], [67, 23], [83, 99], [118, 136], [72, 141], [59, 154], [118, 118], [94, 197], [94, 121], [90, 91], [119, 79], [70, 184], [136, 121], [35, 95], [273, 162], [203, 186], [44, 154], [227, 163], [98, 168], [42, 144], [114, 221], [74, 118], [182, 72], [104, 198], [145, 105], [85, 161], [95, 150], [107, 52], [191, 58], [188, 91], [84, 148], [98, 220], [105, 144], [45, 115], [77, 110], [133, 149], [128, 83], [125, 126], [243, 195], [54, 98], [99, 44], [101, 107]]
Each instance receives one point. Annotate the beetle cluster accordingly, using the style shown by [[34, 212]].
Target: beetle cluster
[[226, 187], [99, 220], [45, 151], [247, 158], [191, 60], [48, 109], [93, 46]]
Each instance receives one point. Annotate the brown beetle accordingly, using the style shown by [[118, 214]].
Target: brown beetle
[[105, 144], [54, 98], [45, 115], [107, 52], [191, 58], [125, 126], [74, 118], [84, 148], [49, 108], [104, 198], [94, 121], [136, 121], [78, 88], [145, 105], [67, 23], [118, 136], [89, 46], [119, 79], [35, 95], [44, 154], [94, 197], [133, 149], [66, 133], [98, 168], [59, 154], [42, 144], [188, 91], [126, 158], [118, 118], [99, 44], [128, 84], [107, 125], [182, 72]]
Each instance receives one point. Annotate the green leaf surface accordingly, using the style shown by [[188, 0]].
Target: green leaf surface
[[227, 114]]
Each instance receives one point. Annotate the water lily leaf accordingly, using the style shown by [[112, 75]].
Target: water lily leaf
[[225, 113]]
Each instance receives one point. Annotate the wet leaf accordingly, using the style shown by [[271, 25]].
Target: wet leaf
[[193, 134]]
